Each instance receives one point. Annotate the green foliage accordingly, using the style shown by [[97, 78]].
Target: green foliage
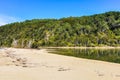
[[95, 30]]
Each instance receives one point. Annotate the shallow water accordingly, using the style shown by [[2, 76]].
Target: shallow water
[[110, 55]]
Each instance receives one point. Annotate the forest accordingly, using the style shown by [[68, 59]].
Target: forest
[[86, 31]]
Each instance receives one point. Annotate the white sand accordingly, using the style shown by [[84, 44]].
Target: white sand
[[30, 64]]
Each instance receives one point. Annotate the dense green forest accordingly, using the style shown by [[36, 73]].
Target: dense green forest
[[95, 30]]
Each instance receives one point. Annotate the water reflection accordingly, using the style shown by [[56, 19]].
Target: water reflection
[[111, 55]]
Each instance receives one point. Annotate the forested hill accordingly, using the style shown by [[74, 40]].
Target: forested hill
[[96, 30]]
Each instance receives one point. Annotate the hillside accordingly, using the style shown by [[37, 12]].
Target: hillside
[[96, 30]]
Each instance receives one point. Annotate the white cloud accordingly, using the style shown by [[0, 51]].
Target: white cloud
[[4, 19]]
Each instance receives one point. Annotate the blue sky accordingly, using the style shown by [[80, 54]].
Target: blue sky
[[20, 10]]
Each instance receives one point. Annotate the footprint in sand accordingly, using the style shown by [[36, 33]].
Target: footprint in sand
[[63, 69], [99, 73], [117, 75]]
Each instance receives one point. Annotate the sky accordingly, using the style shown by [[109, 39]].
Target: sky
[[20, 10]]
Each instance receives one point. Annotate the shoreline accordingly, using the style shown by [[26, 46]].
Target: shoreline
[[39, 64], [105, 47]]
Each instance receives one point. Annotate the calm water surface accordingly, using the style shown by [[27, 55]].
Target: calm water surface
[[110, 55]]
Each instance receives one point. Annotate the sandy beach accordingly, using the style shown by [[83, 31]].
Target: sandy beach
[[31, 64]]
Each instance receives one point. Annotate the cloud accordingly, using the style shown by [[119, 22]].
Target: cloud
[[4, 19]]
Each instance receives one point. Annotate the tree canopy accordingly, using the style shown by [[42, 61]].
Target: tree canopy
[[95, 30]]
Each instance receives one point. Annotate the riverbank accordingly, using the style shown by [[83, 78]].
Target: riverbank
[[105, 47], [32, 64]]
